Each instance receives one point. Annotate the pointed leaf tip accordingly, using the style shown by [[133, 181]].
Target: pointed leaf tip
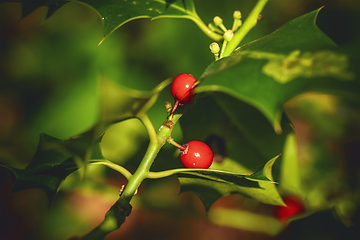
[[210, 185]]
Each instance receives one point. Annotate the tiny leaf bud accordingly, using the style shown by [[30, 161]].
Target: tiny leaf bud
[[218, 21], [237, 14], [228, 35], [237, 21], [214, 47]]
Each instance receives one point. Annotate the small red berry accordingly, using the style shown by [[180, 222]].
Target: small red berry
[[196, 155], [294, 206], [182, 88]]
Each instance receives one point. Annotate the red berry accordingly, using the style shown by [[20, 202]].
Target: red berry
[[196, 155], [182, 88], [294, 206]]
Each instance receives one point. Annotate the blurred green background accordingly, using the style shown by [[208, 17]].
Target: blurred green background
[[49, 72]]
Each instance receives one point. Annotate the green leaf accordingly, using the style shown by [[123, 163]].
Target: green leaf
[[29, 6], [301, 32], [51, 164], [115, 13], [210, 185], [53, 161], [289, 174], [295, 59], [235, 131], [239, 135]]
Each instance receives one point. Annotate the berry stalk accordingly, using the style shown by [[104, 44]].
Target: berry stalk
[[179, 146]]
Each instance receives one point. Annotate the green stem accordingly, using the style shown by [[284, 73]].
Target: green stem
[[149, 157], [210, 33], [223, 49], [114, 166], [250, 22], [141, 172], [144, 167], [108, 225], [149, 127], [122, 208]]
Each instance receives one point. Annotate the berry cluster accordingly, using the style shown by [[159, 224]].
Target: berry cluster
[[194, 154]]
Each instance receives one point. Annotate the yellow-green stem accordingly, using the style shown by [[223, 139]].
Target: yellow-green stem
[[122, 208], [250, 22], [210, 33], [149, 127], [223, 47], [136, 179]]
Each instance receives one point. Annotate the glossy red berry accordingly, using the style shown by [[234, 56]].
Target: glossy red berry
[[196, 155], [294, 206], [182, 88]]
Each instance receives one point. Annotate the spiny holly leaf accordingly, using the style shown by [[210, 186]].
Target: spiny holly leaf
[[29, 6], [234, 130], [295, 59], [115, 13], [212, 185], [53, 161], [239, 135]]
